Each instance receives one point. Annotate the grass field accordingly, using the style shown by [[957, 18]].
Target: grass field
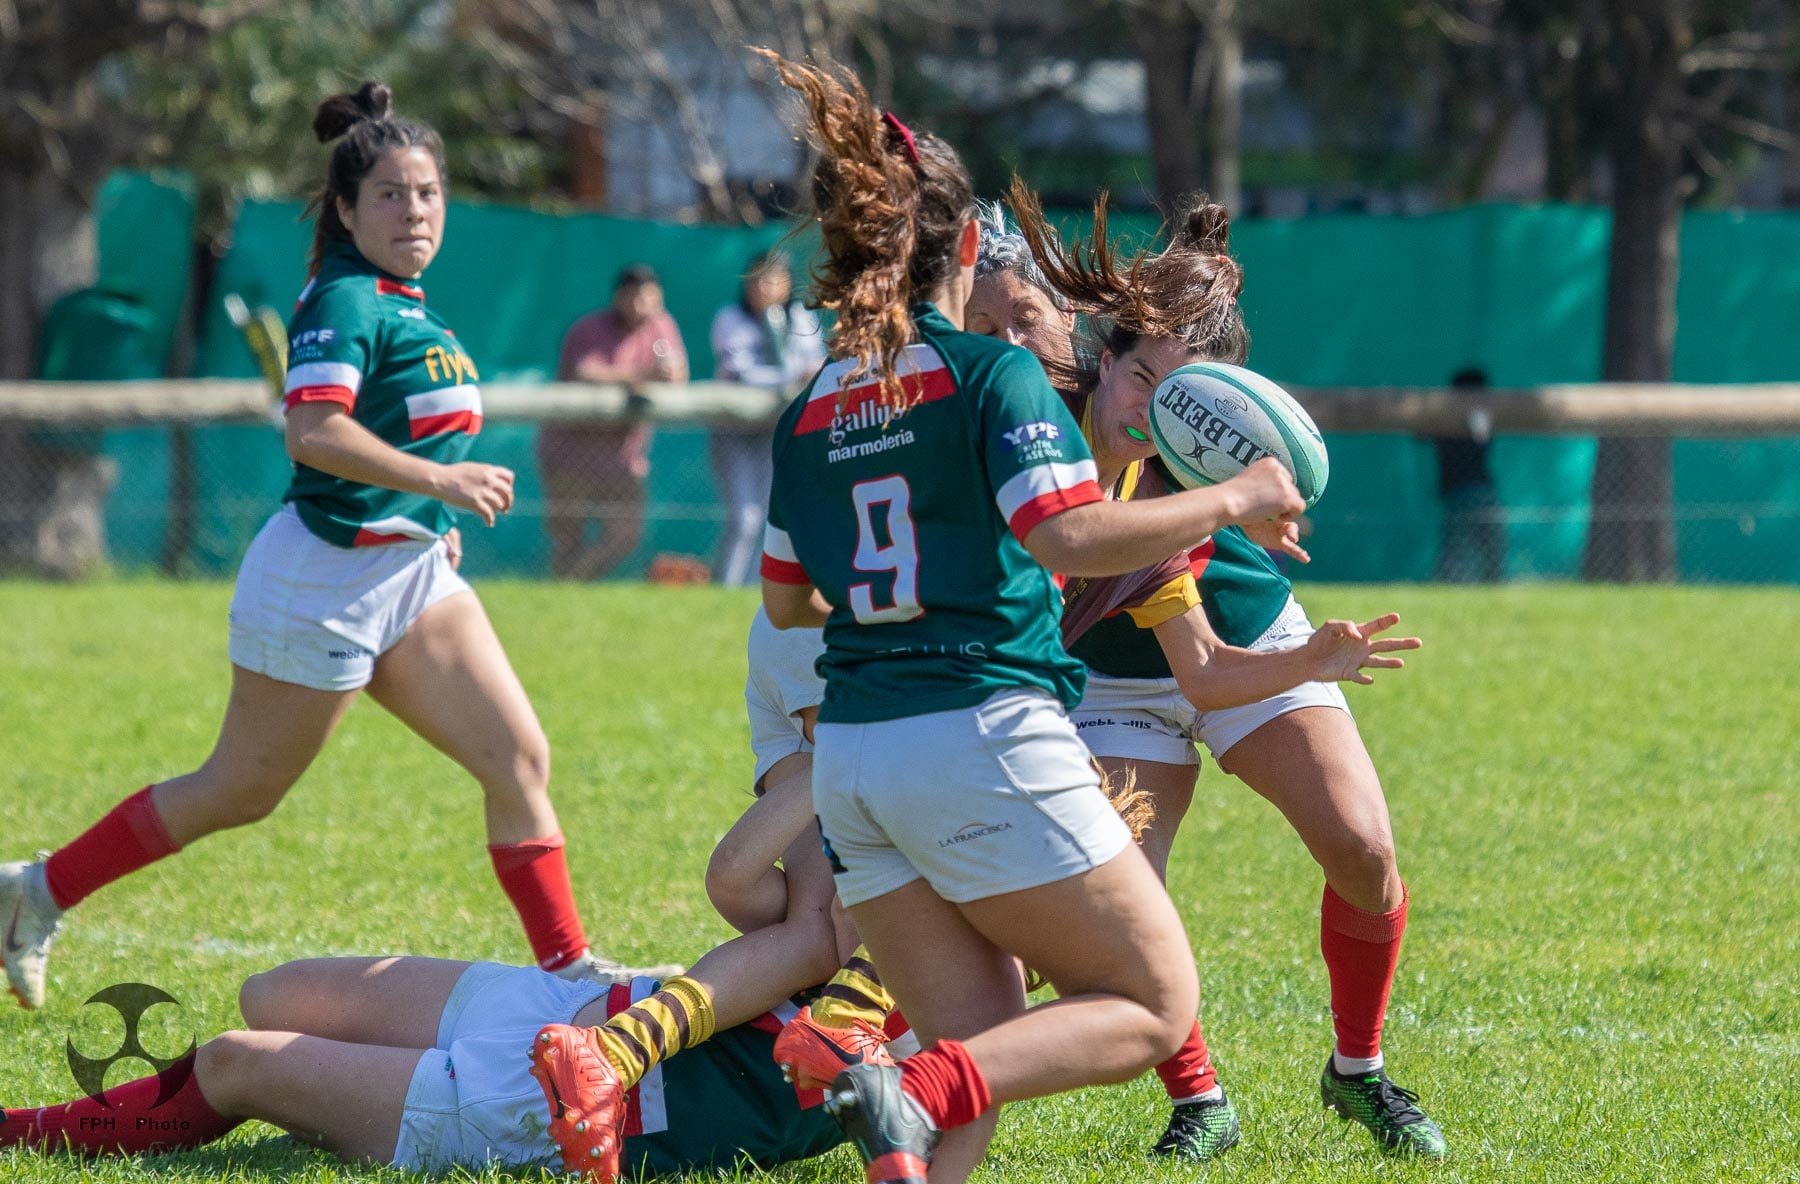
[[1593, 792]]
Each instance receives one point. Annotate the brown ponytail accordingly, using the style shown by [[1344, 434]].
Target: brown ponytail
[[890, 212], [369, 128], [1187, 291]]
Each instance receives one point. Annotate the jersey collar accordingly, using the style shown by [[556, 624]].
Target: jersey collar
[[342, 255]]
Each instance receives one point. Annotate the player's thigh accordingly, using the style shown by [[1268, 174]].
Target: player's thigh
[[449, 680], [387, 1001], [811, 885], [1111, 930], [1312, 766], [951, 981], [346, 1098], [271, 733], [1170, 789], [272, 729]]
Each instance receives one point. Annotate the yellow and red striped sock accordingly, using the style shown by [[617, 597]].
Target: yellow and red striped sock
[[677, 1017], [854, 993]]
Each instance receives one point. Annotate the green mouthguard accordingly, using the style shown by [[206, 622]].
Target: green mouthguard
[[1137, 435]]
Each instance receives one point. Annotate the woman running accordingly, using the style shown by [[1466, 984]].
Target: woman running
[[922, 485], [353, 584], [422, 1063], [1172, 651]]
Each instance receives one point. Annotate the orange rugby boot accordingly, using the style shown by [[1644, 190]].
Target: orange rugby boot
[[586, 1100], [812, 1055]]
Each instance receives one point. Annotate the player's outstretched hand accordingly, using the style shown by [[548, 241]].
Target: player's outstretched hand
[[485, 489], [1277, 536], [1344, 651], [1265, 491]]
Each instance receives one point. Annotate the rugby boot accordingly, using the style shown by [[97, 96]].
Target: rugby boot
[[1390, 1113], [1199, 1129], [586, 1101], [890, 1131], [811, 1055], [29, 921]]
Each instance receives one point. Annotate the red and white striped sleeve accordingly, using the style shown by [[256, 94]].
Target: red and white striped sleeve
[[779, 563], [322, 382], [1045, 490]]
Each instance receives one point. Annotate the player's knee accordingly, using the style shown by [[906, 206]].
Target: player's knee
[[531, 764], [266, 1000], [1360, 864], [249, 801], [225, 1066], [729, 872]]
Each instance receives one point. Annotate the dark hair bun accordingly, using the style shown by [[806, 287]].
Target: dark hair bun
[[339, 113], [1205, 226]]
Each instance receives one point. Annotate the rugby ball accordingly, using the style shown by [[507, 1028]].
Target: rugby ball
[[1211, 420]]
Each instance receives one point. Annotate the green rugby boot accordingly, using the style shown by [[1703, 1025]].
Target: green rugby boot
[[1199, 1130], [1392, 1114]]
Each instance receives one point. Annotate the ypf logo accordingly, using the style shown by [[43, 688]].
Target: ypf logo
[[131, 1001]]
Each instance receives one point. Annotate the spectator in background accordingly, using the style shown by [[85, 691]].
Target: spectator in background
[[766, 339], [1473, 549], [597, 473]]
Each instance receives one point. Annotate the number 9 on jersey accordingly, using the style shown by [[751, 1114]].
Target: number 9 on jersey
[[887, 502]]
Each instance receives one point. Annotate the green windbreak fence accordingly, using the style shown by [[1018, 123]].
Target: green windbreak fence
[[1335, 300]]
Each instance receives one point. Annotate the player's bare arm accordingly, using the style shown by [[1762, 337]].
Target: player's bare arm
[[1111, 538]]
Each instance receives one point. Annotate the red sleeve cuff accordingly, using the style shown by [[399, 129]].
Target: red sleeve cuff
[[1049, 505], [341, 395], [780, 571]]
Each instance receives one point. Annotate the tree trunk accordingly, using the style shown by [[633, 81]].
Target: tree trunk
[[1225, 112], [47, 248], [1631, 535], [1168, 37]]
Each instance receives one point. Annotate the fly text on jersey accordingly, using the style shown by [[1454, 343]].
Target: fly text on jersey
[[446, 366]]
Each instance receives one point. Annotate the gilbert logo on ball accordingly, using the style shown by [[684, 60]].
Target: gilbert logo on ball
[[1211, 420]]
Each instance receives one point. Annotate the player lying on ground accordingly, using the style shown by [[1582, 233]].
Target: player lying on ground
[[1161, 644], [422, 1063], [353, 585]]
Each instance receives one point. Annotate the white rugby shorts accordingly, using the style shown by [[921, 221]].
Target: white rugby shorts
[[1149, 719], [782, 683], [309, 613], [979, 801], [473, 1100]]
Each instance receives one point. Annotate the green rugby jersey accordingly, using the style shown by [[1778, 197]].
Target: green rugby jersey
[[721, 1103], [1241, 592], [912, 526], [364, 339], [1241, 588]]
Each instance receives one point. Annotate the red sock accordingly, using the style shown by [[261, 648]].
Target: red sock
[[945, 1080], [129, 1122], [1361, 950], [535, 877], [1189, 1073], [131, 836]]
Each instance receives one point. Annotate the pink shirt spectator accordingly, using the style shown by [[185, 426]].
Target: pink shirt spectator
[[576, 448], [602, 337]]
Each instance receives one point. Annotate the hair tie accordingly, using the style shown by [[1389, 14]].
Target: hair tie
[[910, 145]]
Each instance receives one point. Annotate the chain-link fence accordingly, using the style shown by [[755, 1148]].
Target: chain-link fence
[[672, 487]]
